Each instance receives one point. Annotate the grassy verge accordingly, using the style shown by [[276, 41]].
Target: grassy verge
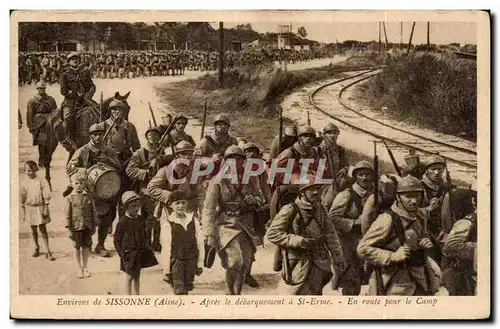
[[251, 96], [436, 91]]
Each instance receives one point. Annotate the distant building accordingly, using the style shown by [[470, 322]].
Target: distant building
[[301, 47], [252, 44]]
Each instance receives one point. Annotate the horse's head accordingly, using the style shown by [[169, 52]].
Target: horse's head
[[117, 96], [122, 98]]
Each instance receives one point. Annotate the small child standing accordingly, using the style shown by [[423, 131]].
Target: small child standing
[[81, 220], [35, 200], [182, 255], [131, 243]]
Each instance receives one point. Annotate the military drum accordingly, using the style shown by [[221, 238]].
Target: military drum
[[103, 181]]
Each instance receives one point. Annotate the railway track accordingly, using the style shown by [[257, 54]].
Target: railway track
[[397, 138]]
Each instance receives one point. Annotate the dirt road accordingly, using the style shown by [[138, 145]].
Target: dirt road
[[39, 276]]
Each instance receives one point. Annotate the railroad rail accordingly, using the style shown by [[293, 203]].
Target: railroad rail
[[381, 130]]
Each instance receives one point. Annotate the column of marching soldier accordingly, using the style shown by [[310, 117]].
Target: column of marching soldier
[[410, 237]]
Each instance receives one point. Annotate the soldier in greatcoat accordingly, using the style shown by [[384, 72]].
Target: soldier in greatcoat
[[162, 185], [85, 157], [310, 249], [76, 86], [338, 164], [142, 167], [302, 149], [252, 151], [459, 262], [345, 216], [123, 137], [215, 145], [396, 244], [38, 114], [288, 139], [228, 214], [434, 193]]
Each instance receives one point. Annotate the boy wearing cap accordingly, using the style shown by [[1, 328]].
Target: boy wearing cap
[[182, 255], [81, 220], [130, 242]]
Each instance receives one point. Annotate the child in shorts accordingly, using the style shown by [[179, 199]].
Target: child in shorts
[[35, 200], [182, 256], [81, 220]]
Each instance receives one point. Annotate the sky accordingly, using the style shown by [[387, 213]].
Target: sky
[[440, 32]]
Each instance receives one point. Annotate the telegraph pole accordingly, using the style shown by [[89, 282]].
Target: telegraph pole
[[379, 37], [428, 36], [411, 37], [385, 35], [221, 54], [401, 37]]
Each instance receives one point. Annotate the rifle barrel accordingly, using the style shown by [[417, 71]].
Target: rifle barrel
[[152, 114]]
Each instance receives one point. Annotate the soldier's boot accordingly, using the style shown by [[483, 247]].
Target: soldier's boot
[[231, 277], [102, 233], [249, 280]]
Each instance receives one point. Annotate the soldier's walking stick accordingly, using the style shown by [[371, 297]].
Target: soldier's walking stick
[[152, 114], [204, 119], [308, 119]]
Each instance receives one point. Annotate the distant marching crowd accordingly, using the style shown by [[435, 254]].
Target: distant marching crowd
[[34, 66]]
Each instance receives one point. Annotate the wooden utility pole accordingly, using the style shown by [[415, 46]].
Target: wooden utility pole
[[385, 35], [428, 36], [379, 37], [221, 54], [411, 37], [401, 37]]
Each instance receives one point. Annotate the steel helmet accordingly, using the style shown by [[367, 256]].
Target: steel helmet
[[409, 184], [183, 146], [233, 150], [250, 145], [305, 182], [330, 127], [362, 165], [304, 130], [41, 85], [157, 129], [96, 127], [221, 118], [434, 159], [130, 196], [115, 103], [181, 117], [73, 54]]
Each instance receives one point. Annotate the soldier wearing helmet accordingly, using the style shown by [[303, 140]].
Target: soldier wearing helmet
[[302, 149], [460, 245], [142, 167], [85, 157], [162, 185], [252, 151], [401, 264], [434, 193], [38, 113], [304, 232], [215, 145], [228, 215], [336, 160], [345, 214], [178, 134], [76, 86], [123, 137]]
